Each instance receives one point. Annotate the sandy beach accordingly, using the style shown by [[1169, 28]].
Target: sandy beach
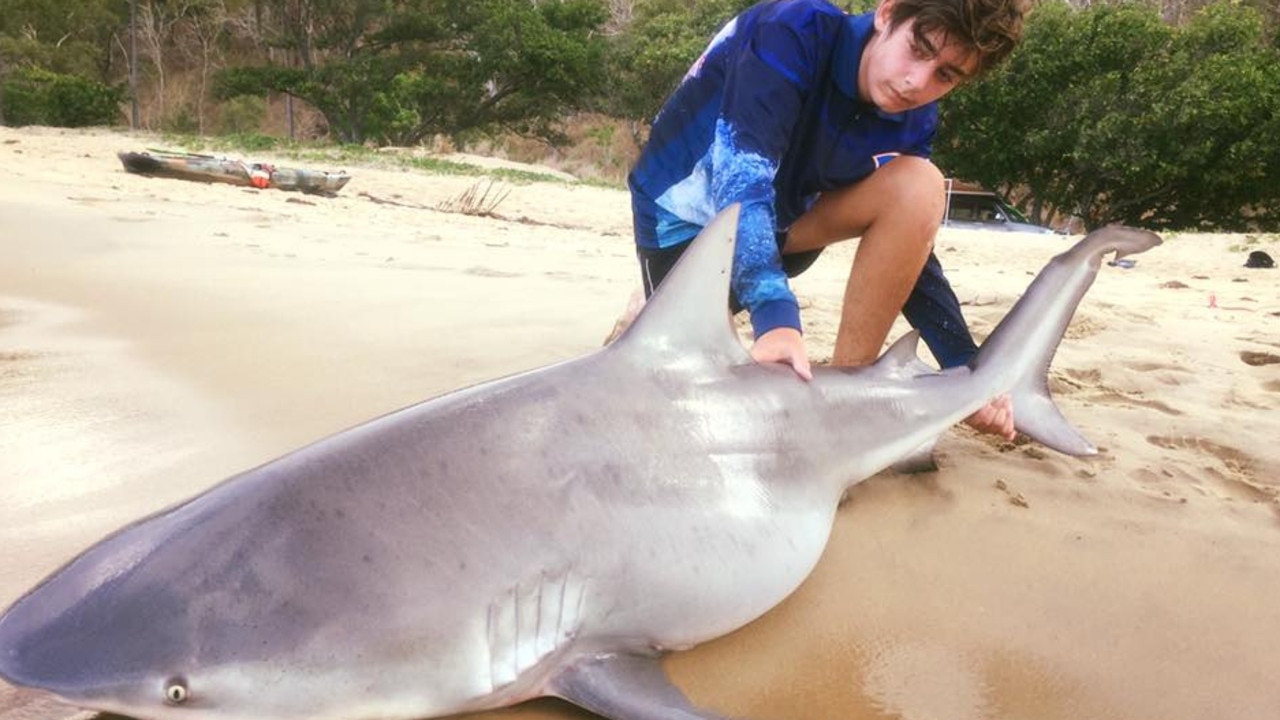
[[157, 336]]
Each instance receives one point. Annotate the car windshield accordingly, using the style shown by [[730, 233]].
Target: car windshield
[[982, 207], [1012, 212]]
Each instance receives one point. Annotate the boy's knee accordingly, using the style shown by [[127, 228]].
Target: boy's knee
[[907, 194], [911, 196], [917, 184]]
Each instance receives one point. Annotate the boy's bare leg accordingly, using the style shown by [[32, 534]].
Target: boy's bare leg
[[896, 211]]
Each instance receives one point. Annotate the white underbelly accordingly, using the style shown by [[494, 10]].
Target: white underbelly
[[710, 580]]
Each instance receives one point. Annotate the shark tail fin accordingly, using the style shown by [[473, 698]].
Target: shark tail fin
[[1018, 352], [687, 318]]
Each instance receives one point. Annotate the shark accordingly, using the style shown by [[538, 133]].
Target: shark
[[552, 533]]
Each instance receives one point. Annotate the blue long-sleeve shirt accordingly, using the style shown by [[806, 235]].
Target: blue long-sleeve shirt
[[769, 117]]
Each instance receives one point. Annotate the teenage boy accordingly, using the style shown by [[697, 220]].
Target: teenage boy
[[820, 124]]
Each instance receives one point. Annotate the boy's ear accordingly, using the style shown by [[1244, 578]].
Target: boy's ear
[[884, 15]]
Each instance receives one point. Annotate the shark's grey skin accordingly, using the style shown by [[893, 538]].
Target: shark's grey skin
[[550, 533]]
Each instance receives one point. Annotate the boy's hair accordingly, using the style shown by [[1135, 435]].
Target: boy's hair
[[991, 27]]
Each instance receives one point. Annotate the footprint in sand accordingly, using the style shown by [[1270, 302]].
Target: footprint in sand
[[1164, 373], [926, 680], [1015, 498], [481, 271], [17, 364], [1070, 380], [1258, 359], [1084, 326], [1260, 339], [1228, 470], [1153, 366], [1088, 385]]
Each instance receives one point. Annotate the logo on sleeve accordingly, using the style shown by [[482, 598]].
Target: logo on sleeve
[[883, 159]]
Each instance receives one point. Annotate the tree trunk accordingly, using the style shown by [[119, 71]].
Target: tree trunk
[[208, 26], [151, 31], [3, 73], [301, 18], [205, 62]]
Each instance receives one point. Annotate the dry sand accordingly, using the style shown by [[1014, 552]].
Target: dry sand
[[157, 336]]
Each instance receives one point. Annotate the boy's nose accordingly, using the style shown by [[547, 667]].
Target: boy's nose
[[913, 78]]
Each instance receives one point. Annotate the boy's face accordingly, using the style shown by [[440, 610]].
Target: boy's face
[[899, 72]]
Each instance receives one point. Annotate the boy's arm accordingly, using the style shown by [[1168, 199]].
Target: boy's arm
[[764, 88]]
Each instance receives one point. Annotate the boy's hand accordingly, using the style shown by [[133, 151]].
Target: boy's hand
[[996, 419], [783, 345]]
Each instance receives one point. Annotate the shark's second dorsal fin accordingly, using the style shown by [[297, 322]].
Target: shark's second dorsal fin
[[902, 359], [687, 318], [903, 351]]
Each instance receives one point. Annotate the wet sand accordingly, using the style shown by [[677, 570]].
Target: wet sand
[[157, 336]]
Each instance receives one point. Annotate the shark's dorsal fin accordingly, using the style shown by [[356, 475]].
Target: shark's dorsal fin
[[687, 319], [902, 352], [902, 359]]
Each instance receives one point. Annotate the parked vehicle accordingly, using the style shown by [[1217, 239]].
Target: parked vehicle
[[972, 207]]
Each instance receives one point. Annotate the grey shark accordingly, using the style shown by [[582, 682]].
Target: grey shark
[[552, 533]]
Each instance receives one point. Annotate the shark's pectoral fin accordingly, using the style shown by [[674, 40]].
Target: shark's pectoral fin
[[626, 687], [921, 460]]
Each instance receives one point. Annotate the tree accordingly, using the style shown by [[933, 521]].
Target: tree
[[55, 62], [399, 71], [1112, 115], [71, 37], [156, 20], [35, 96], [200, 34], [1216, 92], [524, 66], [649, 57]]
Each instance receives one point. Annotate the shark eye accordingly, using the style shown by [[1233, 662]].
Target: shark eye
[[175, 691]]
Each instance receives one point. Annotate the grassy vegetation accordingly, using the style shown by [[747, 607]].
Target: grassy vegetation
[[248, 144], [1253, 241]]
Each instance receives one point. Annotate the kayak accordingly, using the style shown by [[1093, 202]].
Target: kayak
[[209, 168]]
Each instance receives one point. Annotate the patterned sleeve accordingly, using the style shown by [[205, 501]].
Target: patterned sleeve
[[764, 89]]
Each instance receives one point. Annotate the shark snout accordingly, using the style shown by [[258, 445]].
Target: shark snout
[[9, 660], [42, 650], [19, 649], [78, 638]]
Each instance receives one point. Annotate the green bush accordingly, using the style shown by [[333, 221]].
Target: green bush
[[242, 114], [183, 120], [255, 141], [1110, 114], [34, 96]]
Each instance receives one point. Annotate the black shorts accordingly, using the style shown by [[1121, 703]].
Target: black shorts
[[655, 263]]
